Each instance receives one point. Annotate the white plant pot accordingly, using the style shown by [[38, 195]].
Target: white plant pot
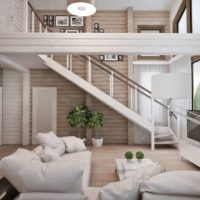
[[97, 142]]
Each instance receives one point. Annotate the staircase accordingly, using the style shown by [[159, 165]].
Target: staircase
[[159, 135]]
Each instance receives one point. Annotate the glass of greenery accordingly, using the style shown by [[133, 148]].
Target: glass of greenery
[[139, 155], [129, 156], [96, 122], [79, 117]]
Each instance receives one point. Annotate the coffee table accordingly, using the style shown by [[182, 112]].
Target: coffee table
[[122, 166]]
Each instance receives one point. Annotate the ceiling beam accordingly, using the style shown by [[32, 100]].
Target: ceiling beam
[[98, 43]]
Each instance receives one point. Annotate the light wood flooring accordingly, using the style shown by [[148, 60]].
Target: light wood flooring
[[103, 160]]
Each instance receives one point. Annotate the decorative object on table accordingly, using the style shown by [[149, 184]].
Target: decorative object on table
[[81, 8], [101, 30], [76, 21], [62, 20], [81, 30], [139, 155], [101, 57], [62, 30], [71, 31], [129, 156], [96, 122], [79, 117], [120, 58]]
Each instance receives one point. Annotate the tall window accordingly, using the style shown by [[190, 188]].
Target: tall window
[[196, 16], [182, 21], [196, 83]]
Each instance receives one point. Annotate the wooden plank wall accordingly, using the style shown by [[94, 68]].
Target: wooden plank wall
[[1, 77], [115, 128], [12, 107], [151, 18]]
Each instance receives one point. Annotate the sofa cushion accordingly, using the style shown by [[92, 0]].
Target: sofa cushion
[[49, 155], [64, 177], [12, 164], [150, 196], [174, 183], [85, 157], [51, 140], [129, 188], [51, 196], [73, 144]]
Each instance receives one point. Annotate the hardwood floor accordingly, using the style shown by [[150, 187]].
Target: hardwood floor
[[103, 159]]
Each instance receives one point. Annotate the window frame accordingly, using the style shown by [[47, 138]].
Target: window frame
[[194, 59], [186, 5]]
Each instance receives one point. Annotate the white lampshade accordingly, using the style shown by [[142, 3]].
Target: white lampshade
[[81, 8], [171, 85]]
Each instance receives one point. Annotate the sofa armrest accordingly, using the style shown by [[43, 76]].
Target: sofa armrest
[[51, 196]]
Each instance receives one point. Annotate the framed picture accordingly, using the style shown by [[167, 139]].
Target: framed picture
[[45, 20], [101, 30], [62, 30], [120, 58], [96, 25], [76, 21], [71, 31], [111, 57], [62, 20], [51, 21], [96, 30], [101, 57]]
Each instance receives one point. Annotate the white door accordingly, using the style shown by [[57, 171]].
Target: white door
[[44, 110]]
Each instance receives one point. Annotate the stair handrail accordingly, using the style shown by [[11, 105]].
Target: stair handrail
[[129, 82], [38, 17]]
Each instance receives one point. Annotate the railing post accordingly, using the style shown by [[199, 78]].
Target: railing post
[[26, 16], [153, 125], [67, 61], [111, 83], [32, 22], [70, 62], [89, 70], [40, 27]]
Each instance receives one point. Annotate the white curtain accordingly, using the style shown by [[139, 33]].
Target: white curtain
[[143, 74]]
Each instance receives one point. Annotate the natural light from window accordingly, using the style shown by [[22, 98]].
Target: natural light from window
[[196, 85], [182, 24], [196, 16]]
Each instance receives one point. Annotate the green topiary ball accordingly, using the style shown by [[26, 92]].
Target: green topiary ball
[[139, 155], [129, 155]]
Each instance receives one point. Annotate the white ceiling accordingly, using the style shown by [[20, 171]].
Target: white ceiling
[[109, 4]]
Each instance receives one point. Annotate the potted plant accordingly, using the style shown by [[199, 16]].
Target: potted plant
[[139, 155], [78, 117], [129, 156], [96, 122]]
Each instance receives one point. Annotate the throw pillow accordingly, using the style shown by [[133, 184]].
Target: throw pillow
[[60, 177], [49, 154], [51, 140], [73, 144], [11, 165]]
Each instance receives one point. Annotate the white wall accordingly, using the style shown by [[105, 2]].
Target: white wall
[[173, 11], [12, 106]]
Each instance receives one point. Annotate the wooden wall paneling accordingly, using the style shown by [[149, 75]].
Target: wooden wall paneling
[[151, 18], [12, 106], [26, 109], [68, 96]]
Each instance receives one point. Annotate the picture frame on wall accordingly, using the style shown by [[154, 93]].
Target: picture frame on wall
[[101, 30], [120, 58], [45, 20], [76, 21], [62, 20], [96, 25], [111, 57], [51, 21], [101, 57]]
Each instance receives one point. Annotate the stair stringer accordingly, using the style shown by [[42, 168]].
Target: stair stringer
[[97, 93]]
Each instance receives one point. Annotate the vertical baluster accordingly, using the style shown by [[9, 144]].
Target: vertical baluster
[[40, 27], [111, 83], [89, 70], [33, 22], [67, 61], [70, 62], [136, 98], [153, 125], [51, 56]]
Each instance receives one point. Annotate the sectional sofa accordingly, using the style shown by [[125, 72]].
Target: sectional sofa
[[59, 169]]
